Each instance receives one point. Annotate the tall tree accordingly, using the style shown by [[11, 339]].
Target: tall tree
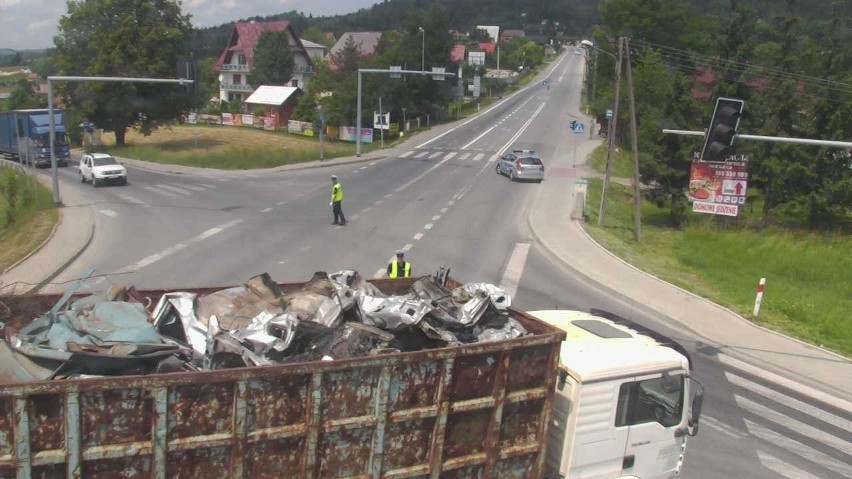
[[273, 59], [124, 38], [24, 96]]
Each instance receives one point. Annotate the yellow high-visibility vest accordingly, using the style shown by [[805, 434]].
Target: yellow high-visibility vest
[[394, 272], [337, 192]]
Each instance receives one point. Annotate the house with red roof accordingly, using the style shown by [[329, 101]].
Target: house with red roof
[[236, 61]]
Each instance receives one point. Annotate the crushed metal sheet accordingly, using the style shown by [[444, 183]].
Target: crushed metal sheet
[[393, 313]]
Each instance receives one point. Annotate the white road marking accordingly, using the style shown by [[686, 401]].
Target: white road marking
[[208, 186], [372, 163], [406, 154], [378, 202], [435, 155], [354, 217], [195, 188], [782, 468], [451, 202], [266, 210], [421, 175], [478, 156], [436, 217], [427, 226], [433, 139], [280, 203], [450, 155], [177, 247], [366, 209], [407, 247], [421, 154], [792, 424], [493, 158], [444, 210], [835, 402], [363, 168], [793, 403], [110, 213], [418, 236], [512, 275], [131, 199], [464, 156], [388, 195], [799, 449], [477, 138], [161, 192], [722, 427], [177, 190]]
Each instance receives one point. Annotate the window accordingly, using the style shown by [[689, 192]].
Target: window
[[294, 83], [241, 59], [651, 400], [530, 161], [238, 79]]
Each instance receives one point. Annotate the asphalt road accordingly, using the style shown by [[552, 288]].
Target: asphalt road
[[443, 203]]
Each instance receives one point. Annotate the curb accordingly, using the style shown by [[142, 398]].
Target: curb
[[67, 263], [36, 250]]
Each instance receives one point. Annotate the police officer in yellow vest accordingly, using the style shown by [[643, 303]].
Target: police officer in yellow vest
[[337, 201], [399, 268]]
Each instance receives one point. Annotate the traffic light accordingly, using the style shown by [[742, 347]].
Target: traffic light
[[723, 126]]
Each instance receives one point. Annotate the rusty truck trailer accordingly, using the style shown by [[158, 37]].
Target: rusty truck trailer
[[473, 411]]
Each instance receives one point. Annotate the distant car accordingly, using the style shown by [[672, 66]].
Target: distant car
[[100, 168], [521, 165]]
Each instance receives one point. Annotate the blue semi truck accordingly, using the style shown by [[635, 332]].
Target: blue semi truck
[[25, 136]]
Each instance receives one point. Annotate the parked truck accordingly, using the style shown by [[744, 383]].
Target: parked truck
[[25, 136], [578, 395]]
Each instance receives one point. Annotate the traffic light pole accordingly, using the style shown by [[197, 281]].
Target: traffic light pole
[[611, 132], [775, 139], [358, 102], [51, 79]]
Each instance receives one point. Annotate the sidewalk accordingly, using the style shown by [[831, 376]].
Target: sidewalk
[[730, 334]]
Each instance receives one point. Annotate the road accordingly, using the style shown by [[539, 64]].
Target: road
[[442, 202]]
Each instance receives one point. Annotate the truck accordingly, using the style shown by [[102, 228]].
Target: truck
[[25, 136], [579, 395]]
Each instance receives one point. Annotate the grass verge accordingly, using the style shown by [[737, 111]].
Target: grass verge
[[808, 276], [23, 237], [228, 148]]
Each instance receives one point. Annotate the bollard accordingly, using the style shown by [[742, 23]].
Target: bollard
[[759, 298]]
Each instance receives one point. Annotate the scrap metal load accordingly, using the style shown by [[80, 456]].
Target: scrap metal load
[[332, 316]]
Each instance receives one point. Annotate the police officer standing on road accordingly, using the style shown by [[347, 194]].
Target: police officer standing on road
[[336, 201], [399, 268]]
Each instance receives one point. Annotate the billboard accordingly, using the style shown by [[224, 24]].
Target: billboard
[[347, 133], [718, 187]]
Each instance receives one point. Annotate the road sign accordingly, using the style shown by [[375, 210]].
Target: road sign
[[578, 128], [396, 68], [609, 114]]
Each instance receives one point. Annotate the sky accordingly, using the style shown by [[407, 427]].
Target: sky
[[31, 24]]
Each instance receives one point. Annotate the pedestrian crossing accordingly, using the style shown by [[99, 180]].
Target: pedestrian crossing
[[172, 191], [447, 155], [796, 433]]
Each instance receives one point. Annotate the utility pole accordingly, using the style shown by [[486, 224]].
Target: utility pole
[[594, 78], [381, 123], [634, 144], [612, 127]]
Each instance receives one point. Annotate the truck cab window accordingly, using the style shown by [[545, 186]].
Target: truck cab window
[[650, 400]]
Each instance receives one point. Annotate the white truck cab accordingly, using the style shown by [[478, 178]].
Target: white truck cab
[[624, 401]]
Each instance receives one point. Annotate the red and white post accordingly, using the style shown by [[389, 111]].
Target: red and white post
[[759, 298]]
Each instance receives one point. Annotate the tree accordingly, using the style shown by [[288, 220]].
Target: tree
[[126, 38], [314, 34], [24, 96], [273, 59]]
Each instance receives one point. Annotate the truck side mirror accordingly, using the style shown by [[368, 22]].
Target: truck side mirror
[[695, 410], [563, 377]]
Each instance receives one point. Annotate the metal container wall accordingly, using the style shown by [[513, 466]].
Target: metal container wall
[[476, 411]]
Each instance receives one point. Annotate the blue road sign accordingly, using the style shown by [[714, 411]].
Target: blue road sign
[[609, 114], [578, 128]]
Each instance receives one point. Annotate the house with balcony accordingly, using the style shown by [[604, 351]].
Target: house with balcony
[[235, 63]]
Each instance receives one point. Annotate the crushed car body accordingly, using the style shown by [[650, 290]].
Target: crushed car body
[[332, 316]]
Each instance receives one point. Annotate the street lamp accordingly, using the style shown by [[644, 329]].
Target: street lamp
[[422, 50]]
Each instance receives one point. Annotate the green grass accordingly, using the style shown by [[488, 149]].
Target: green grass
[[808, 276], [622, 162], [229, 148], [27, 215]]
